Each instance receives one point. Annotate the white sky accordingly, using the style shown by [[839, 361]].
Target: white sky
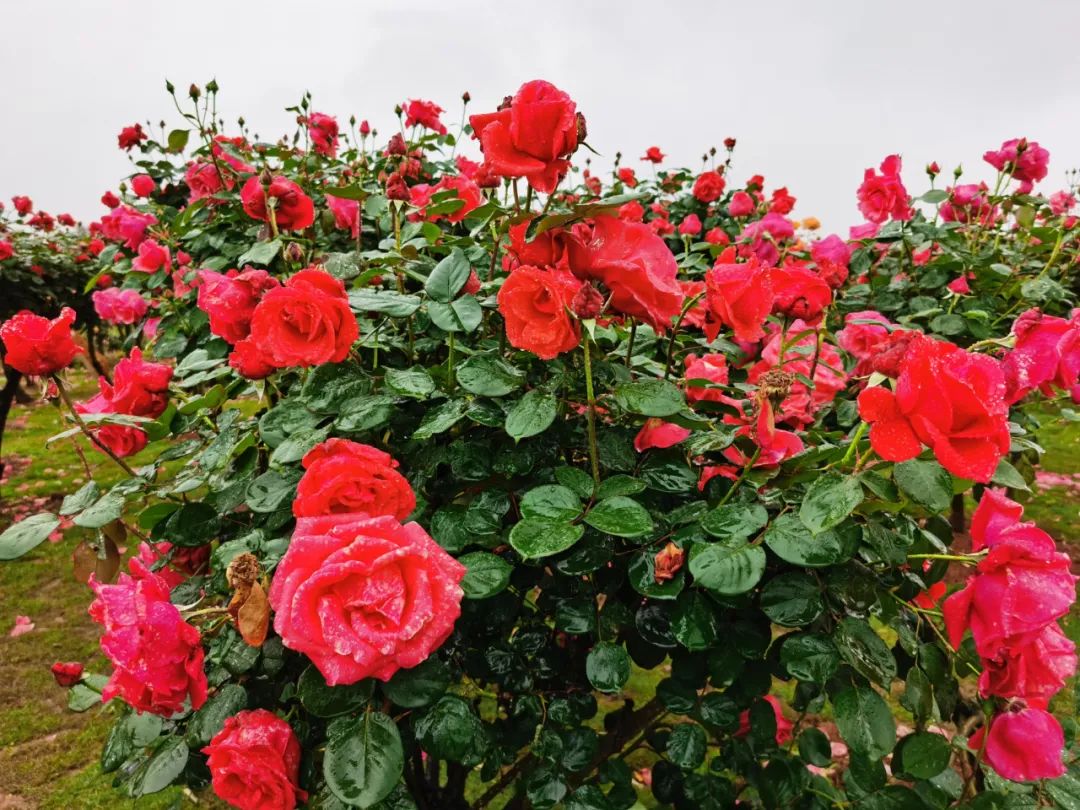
[[814, 92]]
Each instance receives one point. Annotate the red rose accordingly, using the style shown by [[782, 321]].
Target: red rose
[[425, 114], [739, 296], [306, 322], [888, 357], [801, 403], [125, 224], [660, 434], [782, 202], [534, 304], [131, 136], [23, 205], [627, 177], [249, 361], [1046, 355], [230, 300], [799, 293], [654, 155], [711, 367], [547, 249], [110, 200], [346, 214], [121, 306], [293, 209], [1025, 160], [532, 136], [861, 336], [690, 226], [205, 180], [174, 564], [948, 399], [741, 205], [364, 597], [143, 185], [1035, 668], [254, 762], [709, 186], [158, 657], [1024, 745], [38, 346], [323, 131], [67, 674], [467, 192], [883, 195], [152, 257], [345, 477], [634, 264], [138, 387], [7, 250]]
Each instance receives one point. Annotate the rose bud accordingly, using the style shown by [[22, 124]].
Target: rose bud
[[67, 674], [667, 563], [729, 143], [587, 302], [396, 146]]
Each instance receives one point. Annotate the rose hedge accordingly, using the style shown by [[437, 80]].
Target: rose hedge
[[496, 484]]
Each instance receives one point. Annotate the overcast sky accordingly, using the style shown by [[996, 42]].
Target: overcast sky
[[814, 92]]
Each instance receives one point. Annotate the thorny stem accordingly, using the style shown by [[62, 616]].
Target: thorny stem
[[590, 395], [854, 443], [87, 432]]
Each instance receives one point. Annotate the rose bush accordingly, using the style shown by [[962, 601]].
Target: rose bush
[[486, 483]]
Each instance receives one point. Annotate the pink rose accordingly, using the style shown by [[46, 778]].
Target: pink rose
[[882, 196], [119, 306]]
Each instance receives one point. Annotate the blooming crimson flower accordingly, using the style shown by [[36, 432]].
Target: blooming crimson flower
[[125, 224], [534, 304], [158, 657], [467, 192], [143, 185], [765, 234], [634, 264], [547, 249], [249, 361], [627, 177], [364, 597], [659, 434], [293, 209], [708, 186], [1024, 160], [1046, 355], [710, 367], [130, 137], [690, 226], [23, 205], [882, 196], [120, 306], [204, 179], [323, 131], [968, 203], [532, 136], [424, 113], [1061, 202], [67, 674], [230, 300], [739, 296], [139, 388], [799, 293], [1034, 668], [110, 200], [781, 202], [654, 155], [741, 204], [152, 257], [1023, 745], [948, 399], [7, 250], [39, 346], [344, 476], [305, 322], [832, 249], [254, 762], [863, 332]]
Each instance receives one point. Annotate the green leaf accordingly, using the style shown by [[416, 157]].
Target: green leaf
[[607, 667], [735, 521], [533, 538], [210, 719], [550, 502], [810, 658], [460, 315], [865, 651], [260, 253], [924, 755], [486, 576], [790, 540], [130, 733], [350, 192], [1006, 475], [619, 485], [364, 759], [418, 686], [440, 419], [365, 413], [387, 302], [411, 382], [694, 621], [815, 748], [161, 769], [727, 569], [865, 721], [177, 140], [28, 533], [792, 599], [451, 730], [488, 376], [448, 277], [686, 746], [271, 491], [107, 509], [577, 480], [80, 499], [620, 516], [829, 500], [925, 482], [531, 415], [323, 700], [650, 397], [193, 524]]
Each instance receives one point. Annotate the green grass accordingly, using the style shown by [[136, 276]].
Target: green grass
[[48, 755]]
